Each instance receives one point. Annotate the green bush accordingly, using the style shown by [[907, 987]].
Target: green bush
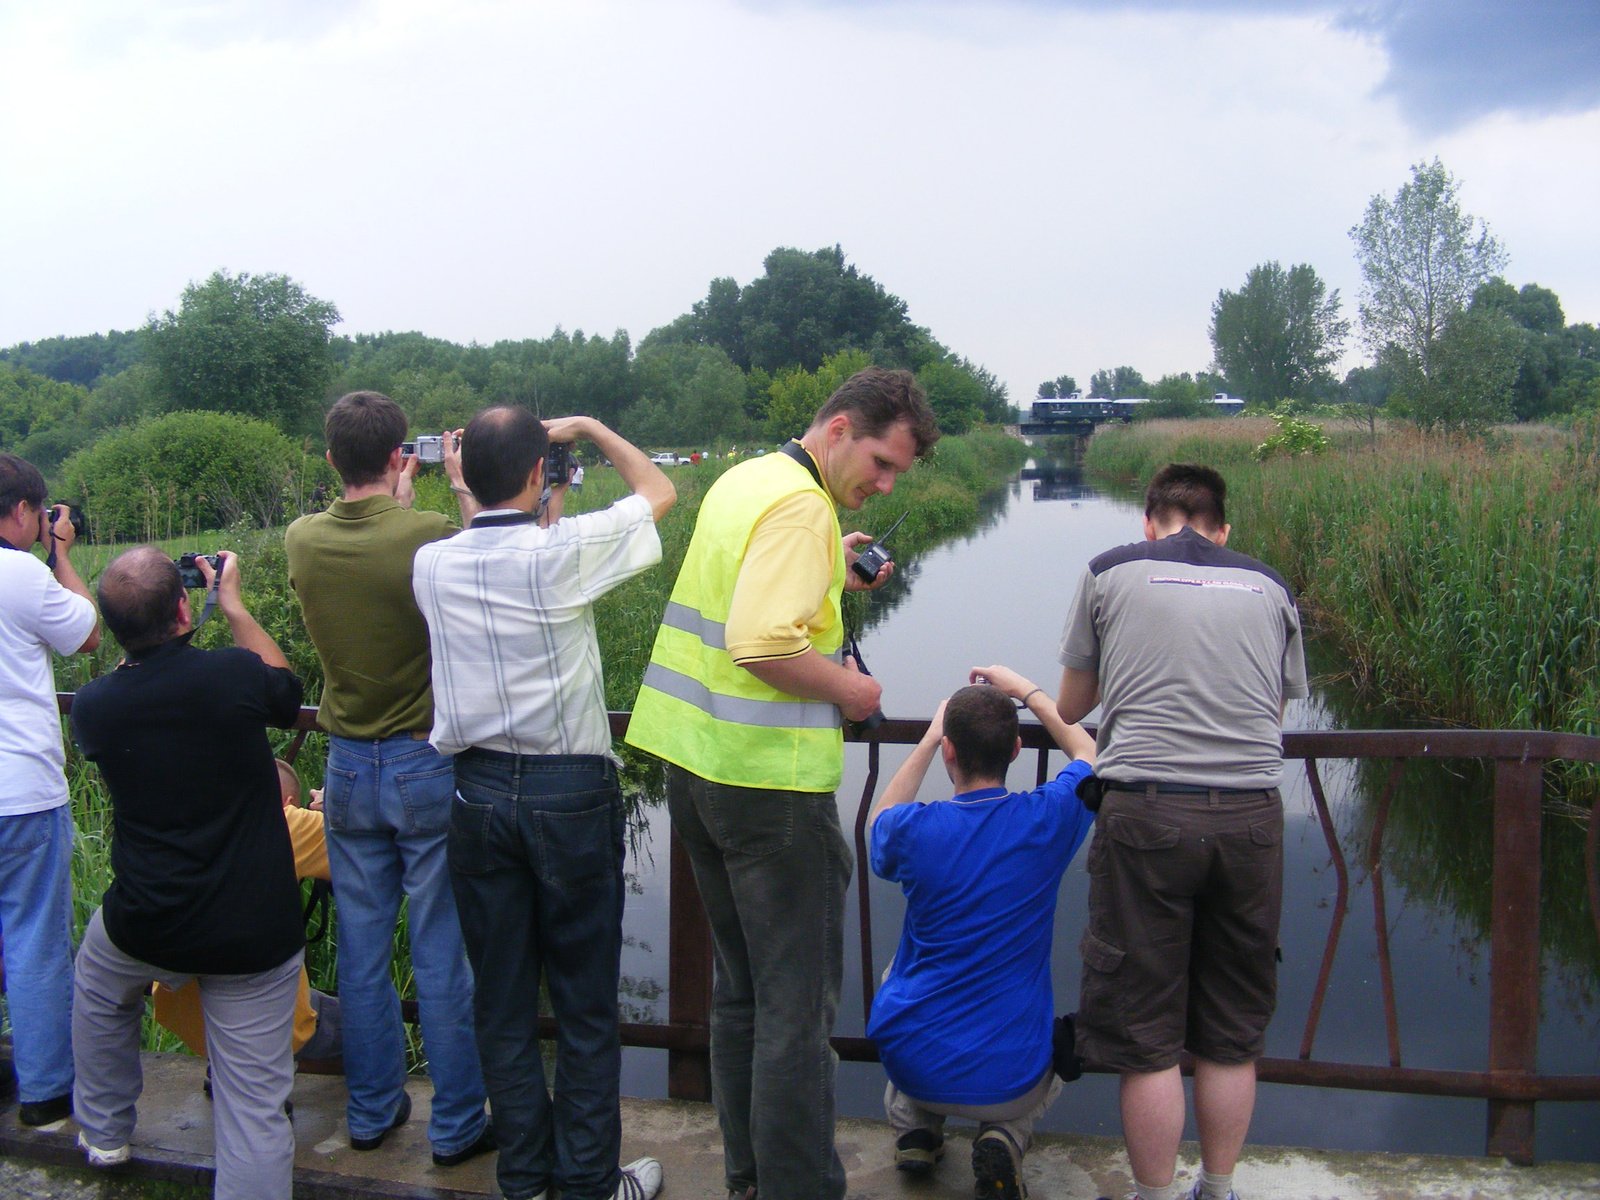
[[166, 476]]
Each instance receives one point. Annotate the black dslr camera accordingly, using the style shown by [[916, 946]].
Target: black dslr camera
[[558, 465], [189, 572], [79, 526]]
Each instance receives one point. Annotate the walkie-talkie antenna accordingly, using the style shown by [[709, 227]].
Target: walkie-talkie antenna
[[893, 527]]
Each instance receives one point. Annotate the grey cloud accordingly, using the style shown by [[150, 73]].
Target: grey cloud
[[1450, 61]]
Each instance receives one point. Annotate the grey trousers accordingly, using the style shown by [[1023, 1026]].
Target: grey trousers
[[1015, 1117], [249, 1020], [772, 868]]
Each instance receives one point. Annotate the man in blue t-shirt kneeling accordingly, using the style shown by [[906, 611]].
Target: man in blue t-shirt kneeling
[[963, 1020]]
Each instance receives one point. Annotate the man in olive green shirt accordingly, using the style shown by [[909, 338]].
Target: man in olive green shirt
[[388, 792]]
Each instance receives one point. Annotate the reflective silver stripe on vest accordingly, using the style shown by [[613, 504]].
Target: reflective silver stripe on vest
[[739, 710], [713, 634], [681, 616]]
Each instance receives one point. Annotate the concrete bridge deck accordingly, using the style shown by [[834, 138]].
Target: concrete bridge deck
[[173, 1142]]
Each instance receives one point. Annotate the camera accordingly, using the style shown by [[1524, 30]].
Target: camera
[[189, 571], [428, 448], [558, 465], [80, 527]]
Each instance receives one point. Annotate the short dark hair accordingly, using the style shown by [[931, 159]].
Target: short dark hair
[[139, 592], [877, 399], [362, 430], [499, 449], [1196, 493], [981, 723], [19, 481]]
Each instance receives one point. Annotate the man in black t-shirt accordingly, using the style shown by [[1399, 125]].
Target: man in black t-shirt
[[203, 874]]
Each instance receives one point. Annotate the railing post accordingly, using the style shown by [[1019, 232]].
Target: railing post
[[688, 977], [1514, 948]]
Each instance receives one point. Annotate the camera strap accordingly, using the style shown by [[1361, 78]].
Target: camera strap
[[5, 545], [802, 456], [211, 597]]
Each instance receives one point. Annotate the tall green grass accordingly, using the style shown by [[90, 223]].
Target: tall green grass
[[1456, 578]]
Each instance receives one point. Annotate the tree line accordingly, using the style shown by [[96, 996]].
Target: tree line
[[738, 367], [1453, 345]]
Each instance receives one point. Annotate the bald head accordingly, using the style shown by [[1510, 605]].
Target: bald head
[[139, 593], [499, 449]]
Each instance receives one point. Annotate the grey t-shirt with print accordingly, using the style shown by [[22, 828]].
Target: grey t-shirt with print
[[1196, 648]]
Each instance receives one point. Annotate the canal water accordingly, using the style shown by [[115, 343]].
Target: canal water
[[1001, 595]]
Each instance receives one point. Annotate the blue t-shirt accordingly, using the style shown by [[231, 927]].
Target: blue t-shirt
[[965, 1015]]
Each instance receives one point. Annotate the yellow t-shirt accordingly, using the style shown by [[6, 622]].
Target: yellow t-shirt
[[781, 594]]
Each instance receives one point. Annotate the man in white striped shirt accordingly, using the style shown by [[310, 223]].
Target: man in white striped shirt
[[536, 828]]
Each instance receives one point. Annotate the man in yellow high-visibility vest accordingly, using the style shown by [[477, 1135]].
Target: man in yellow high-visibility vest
[[743, 698]]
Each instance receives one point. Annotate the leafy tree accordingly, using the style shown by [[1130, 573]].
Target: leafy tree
[[1180, 395], [190, 471], [796, 394], [256, 345], [1366, 391], [1276, 337], [689, 395], [1120, 384], [954, 394], [1474, 367], [81, 360], [1058, 388], [38, 416], [1551, 354], [1421, 260]]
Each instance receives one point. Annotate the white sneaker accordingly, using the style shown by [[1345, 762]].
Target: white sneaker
[[641, 1180], [1198, 1193], [105, 1158]]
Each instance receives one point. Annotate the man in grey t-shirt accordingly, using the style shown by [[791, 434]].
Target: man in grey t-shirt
[[1191, 650]]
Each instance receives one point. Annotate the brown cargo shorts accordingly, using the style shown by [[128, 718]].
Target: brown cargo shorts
[[1185, 891]]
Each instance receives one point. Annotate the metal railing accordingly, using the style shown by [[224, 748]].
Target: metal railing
[[1512, 1085]]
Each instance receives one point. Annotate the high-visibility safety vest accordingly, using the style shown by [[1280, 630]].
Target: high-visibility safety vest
[[700, 710]]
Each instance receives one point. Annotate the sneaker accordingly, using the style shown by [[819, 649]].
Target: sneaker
[[105, 1159], [916, 1151], [994, 1170], [401, 1116], [39, 1113], [641, 1180], [481, 1144], [1195, 1193]]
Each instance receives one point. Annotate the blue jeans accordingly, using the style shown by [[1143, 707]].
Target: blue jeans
[[388, 811], [536, 852], [36, 929]]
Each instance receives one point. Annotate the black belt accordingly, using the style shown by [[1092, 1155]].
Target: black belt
[[1180, 789], [506, 758]]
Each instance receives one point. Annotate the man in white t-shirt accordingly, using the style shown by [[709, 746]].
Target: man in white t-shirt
[[42, 608]]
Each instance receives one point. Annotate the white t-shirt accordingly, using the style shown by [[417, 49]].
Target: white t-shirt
[[37, 615], [516, 666]]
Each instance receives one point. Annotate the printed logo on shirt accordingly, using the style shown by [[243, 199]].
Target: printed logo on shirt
[[1235, 584]]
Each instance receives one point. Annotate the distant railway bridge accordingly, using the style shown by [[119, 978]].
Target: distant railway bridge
[[1080, 415]]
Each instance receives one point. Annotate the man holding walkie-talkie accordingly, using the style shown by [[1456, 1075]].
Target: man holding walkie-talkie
[[743, 698]]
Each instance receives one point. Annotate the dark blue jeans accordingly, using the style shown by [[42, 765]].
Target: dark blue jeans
[[536, 852]]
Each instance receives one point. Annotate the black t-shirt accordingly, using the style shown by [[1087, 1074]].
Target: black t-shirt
[[203, 873]]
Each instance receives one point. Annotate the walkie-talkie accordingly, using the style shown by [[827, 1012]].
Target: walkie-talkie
[[870, 561]]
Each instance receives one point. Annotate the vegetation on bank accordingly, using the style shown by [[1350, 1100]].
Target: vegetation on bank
[[1456, 578]]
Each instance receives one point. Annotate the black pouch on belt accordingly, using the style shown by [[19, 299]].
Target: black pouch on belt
[[1091, 788]]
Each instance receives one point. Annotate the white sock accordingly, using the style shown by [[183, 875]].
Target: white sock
[[1173, 1191], [1215, 1187]]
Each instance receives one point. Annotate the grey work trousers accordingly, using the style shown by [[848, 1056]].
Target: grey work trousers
[[1014, 1117], [249, 1022], [772, 868]]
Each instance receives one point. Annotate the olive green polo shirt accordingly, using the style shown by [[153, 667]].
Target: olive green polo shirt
[[351, 569]]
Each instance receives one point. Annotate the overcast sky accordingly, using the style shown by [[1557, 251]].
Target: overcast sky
[[1058, 185]]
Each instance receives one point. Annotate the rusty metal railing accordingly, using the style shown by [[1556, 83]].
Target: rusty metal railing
[[1512, 1085]]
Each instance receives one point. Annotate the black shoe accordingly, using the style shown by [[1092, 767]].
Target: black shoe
[[45, 1112], [401, 1116], [994, 1170], [481, 1144], [917, 1150]]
